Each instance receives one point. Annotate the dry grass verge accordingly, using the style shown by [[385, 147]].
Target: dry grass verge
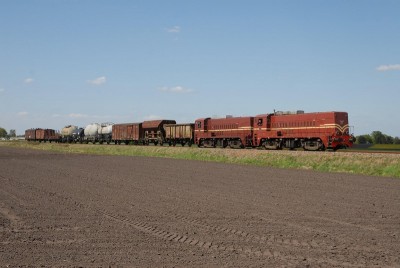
[[376, 164]]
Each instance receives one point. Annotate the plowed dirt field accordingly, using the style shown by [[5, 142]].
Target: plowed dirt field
[[86, 210]]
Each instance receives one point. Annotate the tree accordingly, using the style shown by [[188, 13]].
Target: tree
[[378, 137], [389, 139], [12, 133], [364, 139], [3, 133], [361, 139], [396, 140]]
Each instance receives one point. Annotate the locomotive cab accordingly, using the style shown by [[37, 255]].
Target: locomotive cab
[[200, 128]]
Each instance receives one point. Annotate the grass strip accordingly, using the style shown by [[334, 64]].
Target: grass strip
[[375, 164]]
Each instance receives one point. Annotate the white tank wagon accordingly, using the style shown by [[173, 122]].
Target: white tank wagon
[[105, 133], [100, 133], [91, 132], [67, 133]]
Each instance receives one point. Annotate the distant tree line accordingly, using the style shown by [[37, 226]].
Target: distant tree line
[[377, 137]]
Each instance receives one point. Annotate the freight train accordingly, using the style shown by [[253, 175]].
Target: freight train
[[278, 130]]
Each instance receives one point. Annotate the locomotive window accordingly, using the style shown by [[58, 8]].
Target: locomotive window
[[198, 124], [260, 121]]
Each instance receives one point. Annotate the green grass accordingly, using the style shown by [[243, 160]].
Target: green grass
[[356, 163], [385, 147], [377, 147]]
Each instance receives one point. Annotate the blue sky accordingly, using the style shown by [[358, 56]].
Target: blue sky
[[79, 61]]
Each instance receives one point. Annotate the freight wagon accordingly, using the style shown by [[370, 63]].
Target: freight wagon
[[127, 133], [100, 133], [179, 134], [154, 131], [30, 134], [42, 135], [67, 133]]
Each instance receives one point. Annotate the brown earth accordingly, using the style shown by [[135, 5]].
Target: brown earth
[[86, 210]]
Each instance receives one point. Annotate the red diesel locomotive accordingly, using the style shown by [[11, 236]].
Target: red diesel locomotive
[[310, 131]]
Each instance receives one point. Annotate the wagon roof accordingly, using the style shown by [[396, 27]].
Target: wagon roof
[[180, 124], [156, 123], [202, 119], [127, 124]]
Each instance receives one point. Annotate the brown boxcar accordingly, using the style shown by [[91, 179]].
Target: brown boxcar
[[126, 133], [311, 131], [40, 135], [179, 134], [30, 134], [235, 132], [154, 131]]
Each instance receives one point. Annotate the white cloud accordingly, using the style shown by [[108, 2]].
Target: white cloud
[[98, 81], [72, 115], [28, 80], [177, 89], [22, 113], [175, 29], [152, 117], [392, 67]]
